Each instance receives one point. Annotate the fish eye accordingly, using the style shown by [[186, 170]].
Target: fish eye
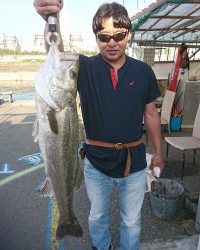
[[72, 73]]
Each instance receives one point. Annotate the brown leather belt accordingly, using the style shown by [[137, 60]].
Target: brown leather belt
[[117, 146]]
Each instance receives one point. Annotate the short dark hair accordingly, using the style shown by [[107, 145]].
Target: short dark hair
[[114, 10]]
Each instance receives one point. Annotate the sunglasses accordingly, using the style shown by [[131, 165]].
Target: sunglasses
[[117, 37]]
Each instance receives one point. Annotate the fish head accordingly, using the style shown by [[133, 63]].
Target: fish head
[[64, 90], [70, 78]]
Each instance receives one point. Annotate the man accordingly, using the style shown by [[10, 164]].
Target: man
[[116, 92]]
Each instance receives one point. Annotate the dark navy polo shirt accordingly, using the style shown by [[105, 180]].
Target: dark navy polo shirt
[[115, 115]]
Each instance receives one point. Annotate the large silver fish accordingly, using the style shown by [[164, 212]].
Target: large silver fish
[[58, 132]]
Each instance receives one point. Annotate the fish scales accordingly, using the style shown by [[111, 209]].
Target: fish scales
[[57, 129]]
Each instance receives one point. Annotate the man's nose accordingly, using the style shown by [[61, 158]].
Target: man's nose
[[112, 42]]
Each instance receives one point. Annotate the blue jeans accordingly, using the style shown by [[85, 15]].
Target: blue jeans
[[131, 196]]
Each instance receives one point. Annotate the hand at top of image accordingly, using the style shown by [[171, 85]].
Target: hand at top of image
[[46, 7]]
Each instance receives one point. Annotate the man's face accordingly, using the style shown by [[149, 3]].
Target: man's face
[[113, 50]]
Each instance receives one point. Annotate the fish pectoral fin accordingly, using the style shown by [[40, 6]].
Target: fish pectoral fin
[[51, 114]]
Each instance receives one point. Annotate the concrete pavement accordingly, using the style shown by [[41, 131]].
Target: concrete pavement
[[28, 221], [187, 243]]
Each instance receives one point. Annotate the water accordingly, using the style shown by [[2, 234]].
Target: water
[[28, 95], [20, 95]]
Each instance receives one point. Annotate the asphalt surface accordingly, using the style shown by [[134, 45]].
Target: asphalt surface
[[29, 221]]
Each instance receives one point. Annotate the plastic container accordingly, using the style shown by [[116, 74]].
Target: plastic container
[[167, 198], [175, 123]]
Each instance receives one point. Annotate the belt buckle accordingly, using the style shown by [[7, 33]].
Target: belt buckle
[[119, 146]]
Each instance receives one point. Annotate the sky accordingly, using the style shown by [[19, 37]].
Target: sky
[[18, 17]]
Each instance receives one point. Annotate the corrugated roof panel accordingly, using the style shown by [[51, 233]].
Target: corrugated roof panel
[[197, 13], [148, 24], [173, 20], [164, 23]]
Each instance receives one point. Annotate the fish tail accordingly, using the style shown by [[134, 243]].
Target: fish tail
[[72, 229], [44, 189]]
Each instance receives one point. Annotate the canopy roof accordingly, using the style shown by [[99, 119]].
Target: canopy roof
[[169, 21]]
